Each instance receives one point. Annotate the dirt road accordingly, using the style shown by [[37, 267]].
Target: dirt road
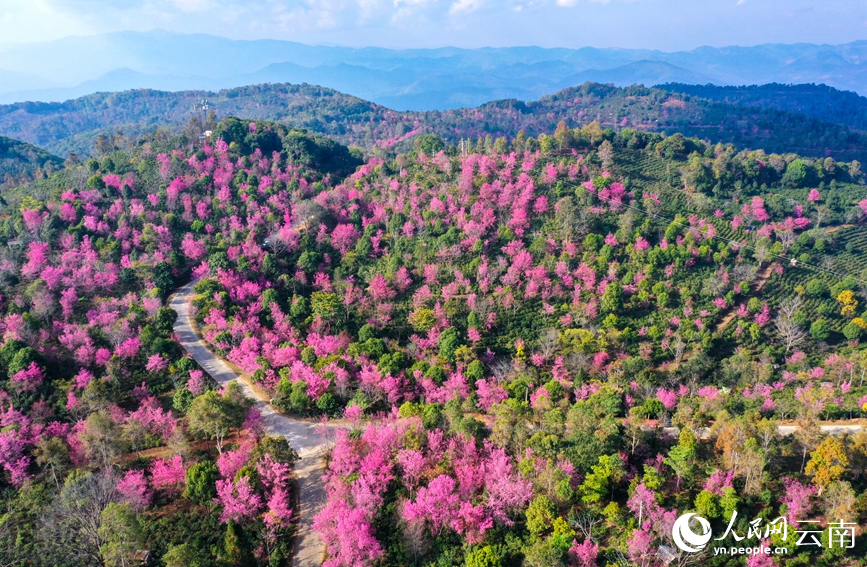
[[303, 436]]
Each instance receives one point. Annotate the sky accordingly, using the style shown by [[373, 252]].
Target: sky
[[668, 25]]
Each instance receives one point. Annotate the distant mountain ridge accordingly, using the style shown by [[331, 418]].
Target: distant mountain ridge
[[73, 126], [644, 72], [413, 79]]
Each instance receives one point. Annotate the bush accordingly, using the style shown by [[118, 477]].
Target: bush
[[815, 288], [328, 405], [819, 330], [366, 332], [182, 400], [852, 331], [299, 401]]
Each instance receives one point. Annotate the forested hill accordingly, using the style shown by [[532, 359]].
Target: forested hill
[[502, 329], [74, 126], [19, 161], [819, 101]]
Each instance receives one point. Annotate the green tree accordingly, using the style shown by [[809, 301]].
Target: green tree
[[597, 484], [681, 458], [201, 479], [309, 260], [236, 547], [164, 279], [796, 174], [165, 320], [431, 416], [299, 309], [22, 359], [366, 332], [540, 514], [852, 331], [815, 288], [482, 557], [430, 144], [612, 299], [183, 555], [706, 505], [122, 535], [270, 266], [299, 401], [182, 400], [543, 553], [475, 371], [276, 446], [213, 416], [218, 261], [326, 305], [448, 343]]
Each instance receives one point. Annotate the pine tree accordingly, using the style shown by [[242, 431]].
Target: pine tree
[[236, 548]]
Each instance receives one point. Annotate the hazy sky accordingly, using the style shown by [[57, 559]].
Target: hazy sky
[[659, 24]]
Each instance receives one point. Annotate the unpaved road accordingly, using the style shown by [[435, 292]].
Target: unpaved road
[[303, 436], [829, 428]]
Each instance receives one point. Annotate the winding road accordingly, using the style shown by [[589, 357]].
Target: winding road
[[303, 436], [306, 438]]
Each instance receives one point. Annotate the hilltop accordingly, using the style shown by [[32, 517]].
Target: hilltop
[[74, 126]]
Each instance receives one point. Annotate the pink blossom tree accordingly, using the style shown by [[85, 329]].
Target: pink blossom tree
[[134, 489], [239, 500]]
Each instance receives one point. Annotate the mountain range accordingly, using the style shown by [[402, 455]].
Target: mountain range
[[73, 126], [413, 79]]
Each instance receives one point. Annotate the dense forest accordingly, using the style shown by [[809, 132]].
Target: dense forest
[[819, 101], [20, 160], [541, 349], [87, 125]]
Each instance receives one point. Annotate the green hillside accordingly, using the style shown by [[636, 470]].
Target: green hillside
[[529, 319], [74, 126], [819, 101], [19, 161]]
